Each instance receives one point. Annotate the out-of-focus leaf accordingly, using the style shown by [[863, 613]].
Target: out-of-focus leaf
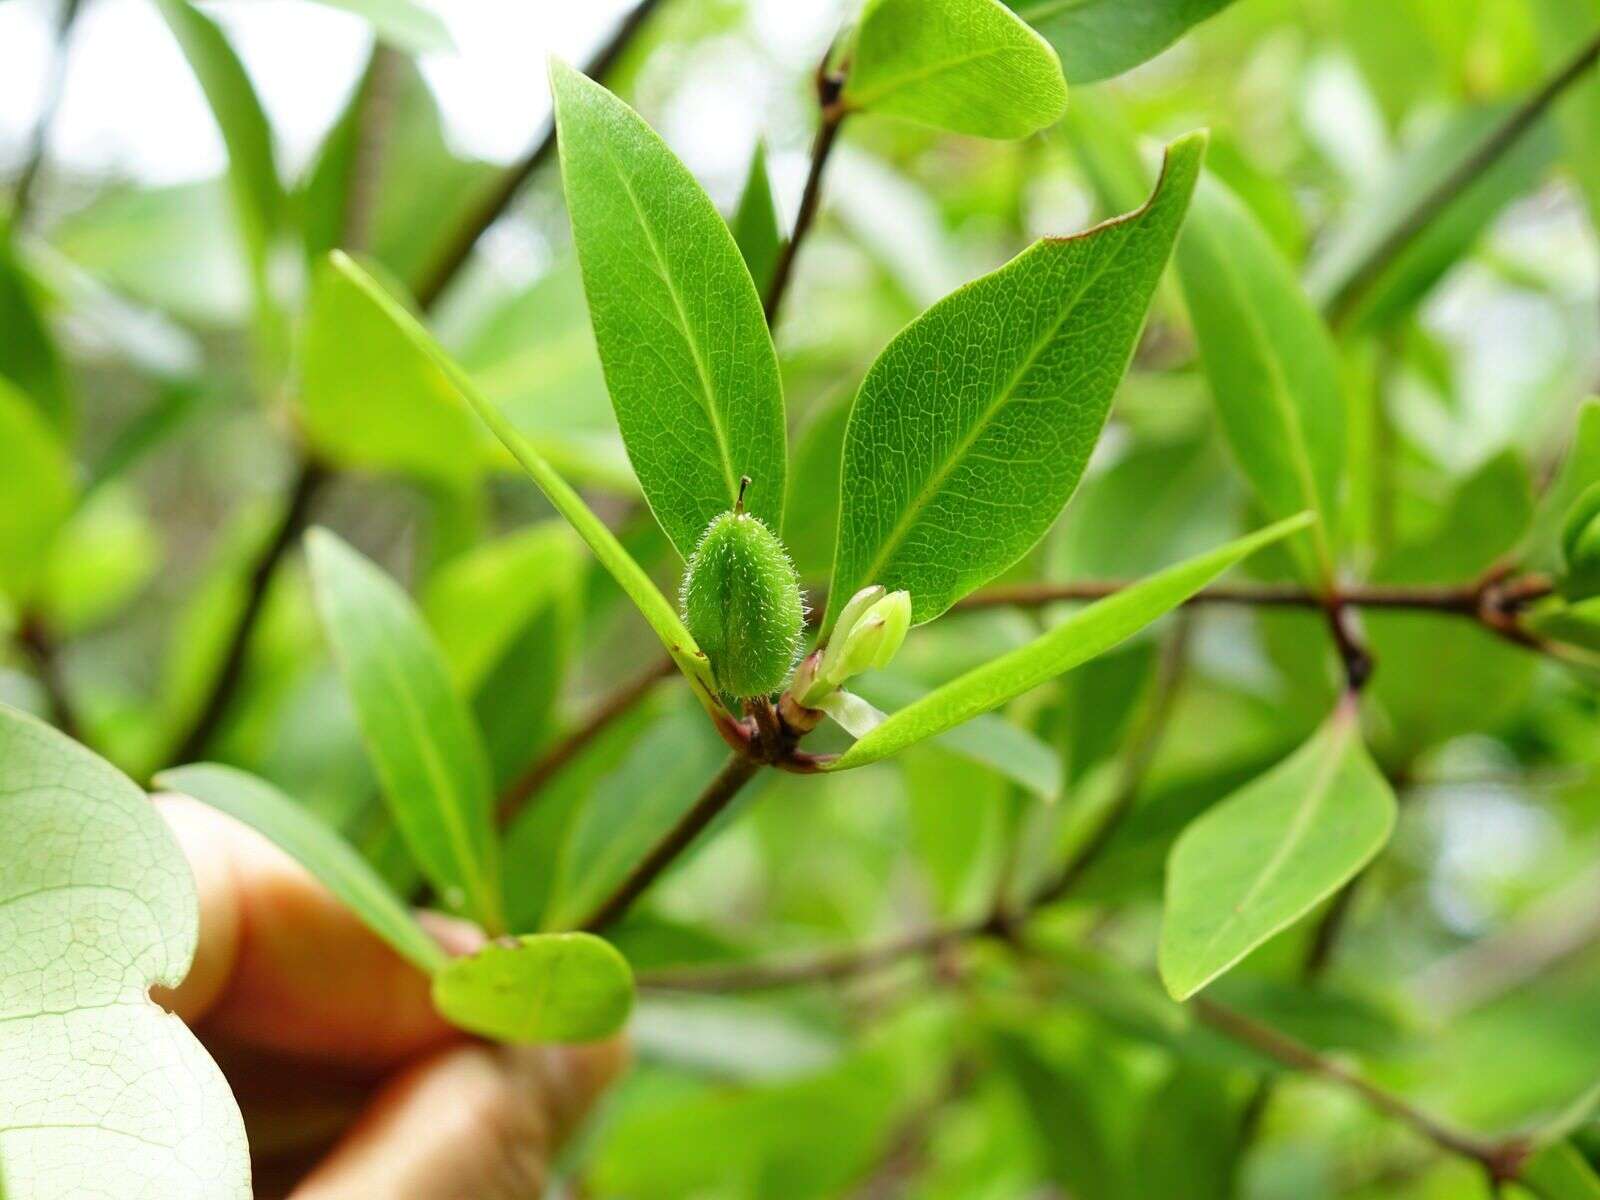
[[401, 23], [317, 848], [630, 576], [1188, 1140], [168, 413], [788, 1141], [427, 753], [630, 811], [534, 356], [1565, 25], [175, 249], [1560, 1172], [1580, 467], [104, 554], [811, 516], [755, 222], [687, 355], [1097, 39], [36, 493], [1266, 856], [1438, 676], [1069, 1126], [1271, 363], [973, 427], [28, 354], [1269, 197], [1087, 633], [544, 987], [101, 1092], [955, 808], [370, 398], [969, 66], [1335, 277], [258, 196]]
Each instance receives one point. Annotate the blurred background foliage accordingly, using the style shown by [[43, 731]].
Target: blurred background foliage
[[165, 338]]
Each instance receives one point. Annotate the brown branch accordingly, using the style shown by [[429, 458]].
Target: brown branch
[[34, 639], [1471, 168], [829, 86], [22, 194], [1503, 1160], [550, 764], [447, 265], [737, 771]]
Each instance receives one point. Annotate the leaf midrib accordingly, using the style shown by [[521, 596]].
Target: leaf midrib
[[708, 394], [913, 511], [1298, 827]]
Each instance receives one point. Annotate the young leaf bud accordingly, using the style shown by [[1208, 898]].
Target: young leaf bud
[[869, 632], [1580, 545], [741, 603]]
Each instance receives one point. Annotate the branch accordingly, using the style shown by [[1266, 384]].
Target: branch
[[1503, 1160], [528, 785], [737, 771], [458, 249], [22, 196], [829, 85], [1500, 139], [35, 641]]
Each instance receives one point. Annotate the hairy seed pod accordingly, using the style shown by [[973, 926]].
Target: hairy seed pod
[[741, 602]]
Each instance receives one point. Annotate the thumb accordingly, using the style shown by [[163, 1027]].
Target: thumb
[[473, 1120]]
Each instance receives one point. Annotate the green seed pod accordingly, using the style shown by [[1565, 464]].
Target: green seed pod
[[741, 602], [1580, 544]]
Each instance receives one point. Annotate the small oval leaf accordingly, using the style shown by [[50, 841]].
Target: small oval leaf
[[544, 987]]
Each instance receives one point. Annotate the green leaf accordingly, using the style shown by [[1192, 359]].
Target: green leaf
[[317, 847], [1270, 853], [544, 987], [1564, 25], [686, 352], [258, 196], [1580, 467], [1560, 1172], [1089, 632], [428, 754], [755, 222], [101, 1092], [1271, 363], [28, 354], [403, 24], [1097, 39], [99, 560], [371, 398], [36, 493], [1336, 277], [973, 427], [969, 66], [630, 576]]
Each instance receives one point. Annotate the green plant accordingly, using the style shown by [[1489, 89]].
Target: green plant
[[953, 581]]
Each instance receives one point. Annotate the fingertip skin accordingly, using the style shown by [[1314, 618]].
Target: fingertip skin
[[742, 606]]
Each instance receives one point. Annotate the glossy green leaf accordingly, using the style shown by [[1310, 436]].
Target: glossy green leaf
[[101, 558], [101, 1092], [28, 354], [259, 202], [630, 576], [1259, 861], [969, 66], [1097, 39], [428, 755], [685, 347], [36, 493], [369, 398], [1089, 632], [973, 428], [403, 24], [1271, 363], [544, 987], [755, 222], [1565, 25], [317, 847]]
